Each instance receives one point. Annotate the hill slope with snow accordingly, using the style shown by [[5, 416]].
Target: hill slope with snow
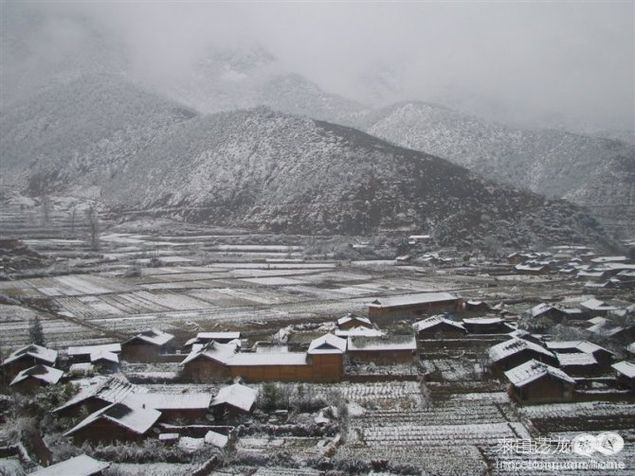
[[263, 169]]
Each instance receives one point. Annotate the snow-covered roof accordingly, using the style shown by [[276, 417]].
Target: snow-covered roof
[[576, 358], [217, 336], [216, 439], [255, 359], [327, 344], [527, 267], [170, 401], [237, 395], [152, 336], [358, 331], [351, 317], [540, 309], [605, 329], [34, 351], [412, 299], [435, 321], [631, 348], [112, 389], [213, 350], [598, 320], [609, 259], [597, 305], [136, 419], [104, 355], [82, 465], [482, 320], [513, 346], [533, 370], [44, 373], [580, 345], [625, 368], [383, 343], [89, 349]]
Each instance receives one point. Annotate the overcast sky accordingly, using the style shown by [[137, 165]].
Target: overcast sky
[[539, 63]]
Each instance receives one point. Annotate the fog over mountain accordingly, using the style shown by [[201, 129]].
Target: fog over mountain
[[89, 89], [557, 65]]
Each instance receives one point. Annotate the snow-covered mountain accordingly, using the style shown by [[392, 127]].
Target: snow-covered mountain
[[591, 171], [262, 169]]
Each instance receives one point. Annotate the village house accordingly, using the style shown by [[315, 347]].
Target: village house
[[27, 357], [234, 400], [514, 352], [323, 362], [208, 361], [625, 374], [351, 321], [147, 346], [414, 305], [116, 422], [104, 361], [531, 268], [476, 306], [579, 364], [595, 307], [603, 357], [384, 350], [438, 327], [32, 379], [207, 337], [486, 325], [537, 382], [82, 465], [82, 354], [326, 355], [352, 325], [546, 311], [100, 393], [185, 407]]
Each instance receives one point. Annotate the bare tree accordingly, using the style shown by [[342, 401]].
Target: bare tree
[[93, 226], [46, 209], [73, 218]]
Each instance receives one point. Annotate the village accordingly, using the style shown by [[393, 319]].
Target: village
[[227, 353]]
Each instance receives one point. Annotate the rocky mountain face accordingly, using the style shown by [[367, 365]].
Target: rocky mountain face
[[590, 171], [262, 169]]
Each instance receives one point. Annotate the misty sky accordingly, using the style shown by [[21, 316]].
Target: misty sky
[[568, 63]]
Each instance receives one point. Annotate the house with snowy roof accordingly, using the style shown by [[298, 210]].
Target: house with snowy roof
[[438, 327], [82, 465], [486, 325], [186, 407], [538, 382], [383, 350], [625, 374], [513, 352], [595, 307], [579, 364], [32, 379], [603, 356], [82, 353], [98, 393], [351, 321], [208, 361], [27, 357], [214, 361], [546, 311], [414, 305], [147, 346], [206, 337], [116, 422], [234, 399]]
